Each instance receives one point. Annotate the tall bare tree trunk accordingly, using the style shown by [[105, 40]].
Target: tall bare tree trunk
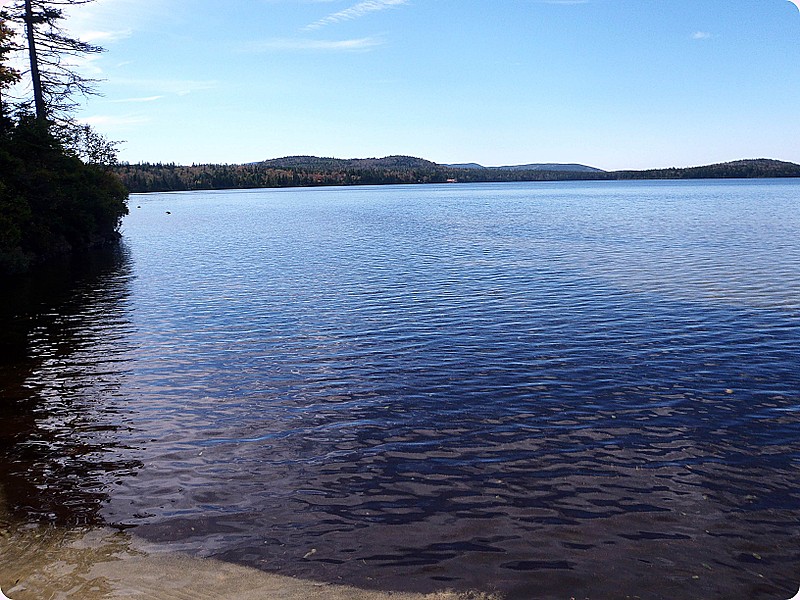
[[36, 81]]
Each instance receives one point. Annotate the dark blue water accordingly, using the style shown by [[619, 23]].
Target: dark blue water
[[553, 390]]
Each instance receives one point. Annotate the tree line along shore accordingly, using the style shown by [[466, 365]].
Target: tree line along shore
[[313, 171]]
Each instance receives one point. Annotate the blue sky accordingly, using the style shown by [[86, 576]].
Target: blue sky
[[610, 83]]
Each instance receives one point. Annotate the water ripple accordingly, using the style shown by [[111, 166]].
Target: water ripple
[[514, 385]]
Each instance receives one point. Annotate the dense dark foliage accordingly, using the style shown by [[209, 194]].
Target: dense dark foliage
[[297, 171], [51, 202]]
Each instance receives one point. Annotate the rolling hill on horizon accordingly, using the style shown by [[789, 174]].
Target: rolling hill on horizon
[[411, 162], [327, 163], [568, 167]]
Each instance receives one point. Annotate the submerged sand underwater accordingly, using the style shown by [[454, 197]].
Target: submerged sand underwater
[[40, 563]]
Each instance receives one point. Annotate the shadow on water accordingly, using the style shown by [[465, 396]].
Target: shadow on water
[[56, 430]]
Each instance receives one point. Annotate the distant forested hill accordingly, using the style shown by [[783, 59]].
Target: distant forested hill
[[570, 167], [303, 171], [314, 163], [739, 169]]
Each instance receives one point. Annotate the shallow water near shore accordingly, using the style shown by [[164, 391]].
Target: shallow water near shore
[[541, 390], [90, 563]]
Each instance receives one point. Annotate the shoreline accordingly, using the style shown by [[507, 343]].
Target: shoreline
[[39, 561]]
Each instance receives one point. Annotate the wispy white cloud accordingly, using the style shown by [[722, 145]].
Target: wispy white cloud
[[299, 44], [701, 35], [87, 65], [107, 21], [354, 12], [144, 99], [111, 121], [104, 37], [178, 87]]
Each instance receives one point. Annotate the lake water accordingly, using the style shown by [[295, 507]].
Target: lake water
[[552, 390]]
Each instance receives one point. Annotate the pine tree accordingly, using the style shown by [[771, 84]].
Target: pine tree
[[8, 75], [56, 84]]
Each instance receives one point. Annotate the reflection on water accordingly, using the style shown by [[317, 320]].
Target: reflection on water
[[555, 390], [63, 330]]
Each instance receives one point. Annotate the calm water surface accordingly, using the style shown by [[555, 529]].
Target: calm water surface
[[553, 390]]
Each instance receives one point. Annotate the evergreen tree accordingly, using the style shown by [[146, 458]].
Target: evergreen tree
[[56, 85], [8, 75]]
